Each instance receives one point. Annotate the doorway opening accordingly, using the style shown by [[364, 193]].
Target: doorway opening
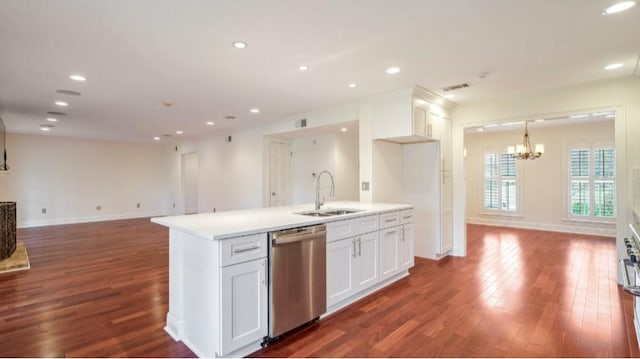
[[570, 188]]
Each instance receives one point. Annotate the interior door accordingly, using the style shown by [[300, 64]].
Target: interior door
[[279, 174]]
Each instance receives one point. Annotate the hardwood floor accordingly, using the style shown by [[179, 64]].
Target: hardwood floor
[[100, 289], [93, 290], [519, 293]]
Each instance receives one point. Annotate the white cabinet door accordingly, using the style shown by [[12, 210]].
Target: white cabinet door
[[406, 247], [367, 261], [341, 282], [244, 304], [420, 126], [389, 252]]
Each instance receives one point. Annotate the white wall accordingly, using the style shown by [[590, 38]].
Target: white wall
[[336, 153], [347, 166], [312, 155], [622, 95], [387, 166], [543, 182], [190, 176], [70, 177]]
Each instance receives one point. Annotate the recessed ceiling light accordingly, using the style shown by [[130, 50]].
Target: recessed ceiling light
[[449, 96], [61, 103], [78, 78], [480, 129], [51, 119], [303, 67], [613, 66], [46, 127], [179, 132], [619, 7], [156, 138], [393, 70], [210, 123], [344, 129], [239, 45], [255, 110]]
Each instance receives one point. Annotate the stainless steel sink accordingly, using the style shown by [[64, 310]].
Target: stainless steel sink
[[329, 212]]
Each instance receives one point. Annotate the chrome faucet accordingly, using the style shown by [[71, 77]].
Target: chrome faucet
[[332, 193]]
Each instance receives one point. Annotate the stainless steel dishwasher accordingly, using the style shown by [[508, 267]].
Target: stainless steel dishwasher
[[298, 277]]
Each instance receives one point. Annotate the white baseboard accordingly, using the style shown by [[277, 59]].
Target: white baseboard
[[582, 228], [74, 220]]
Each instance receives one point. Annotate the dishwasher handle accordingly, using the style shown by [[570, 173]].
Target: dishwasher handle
[[299, 237]]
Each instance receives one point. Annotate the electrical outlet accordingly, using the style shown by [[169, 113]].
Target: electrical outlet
[[98, 208], [44, 211], [137, 205], [365, 186], [214, 209]]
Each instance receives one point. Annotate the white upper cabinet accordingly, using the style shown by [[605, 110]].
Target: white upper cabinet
[[405, 116]]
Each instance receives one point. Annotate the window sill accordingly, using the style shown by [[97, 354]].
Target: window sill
[[501, 214], [590, 221]]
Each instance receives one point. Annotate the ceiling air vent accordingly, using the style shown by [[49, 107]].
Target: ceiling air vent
[[56, 113], [456, 87]]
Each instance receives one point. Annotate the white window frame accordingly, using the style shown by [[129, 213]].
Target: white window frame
[[591, 146], [518, 180]]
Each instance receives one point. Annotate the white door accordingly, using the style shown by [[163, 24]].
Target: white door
[[406, 247], [244, 304], [446, 190], [340, 270], [190, 169], [389, 255], [367, 260], [279, 174]]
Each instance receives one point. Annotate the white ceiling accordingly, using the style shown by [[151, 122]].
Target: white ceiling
[[137, 54]]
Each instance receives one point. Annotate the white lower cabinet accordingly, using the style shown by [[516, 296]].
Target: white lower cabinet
[[390, 252], [406, 247], [341, 256], [352, 266], [367, 261], [244, 304]]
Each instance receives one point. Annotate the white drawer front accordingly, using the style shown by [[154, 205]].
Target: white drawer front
[[368, 224], [341, 229], [243, 249], [389, 219], [406, 216]]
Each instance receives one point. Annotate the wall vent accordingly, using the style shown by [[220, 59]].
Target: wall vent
[[456, 87]]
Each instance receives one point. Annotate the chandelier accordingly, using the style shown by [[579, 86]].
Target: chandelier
[[524, 151]]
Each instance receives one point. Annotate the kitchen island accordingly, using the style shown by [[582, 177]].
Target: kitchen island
[[218, 267]]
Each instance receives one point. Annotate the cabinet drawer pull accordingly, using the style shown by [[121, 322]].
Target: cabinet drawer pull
[[390, 232], [407, 217], [353, 241], [389, 220], [359, 247], [247, 249]]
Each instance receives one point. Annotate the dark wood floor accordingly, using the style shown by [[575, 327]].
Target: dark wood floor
[[100, 289]]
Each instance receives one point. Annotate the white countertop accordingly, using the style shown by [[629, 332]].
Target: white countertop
[[221, 225]]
